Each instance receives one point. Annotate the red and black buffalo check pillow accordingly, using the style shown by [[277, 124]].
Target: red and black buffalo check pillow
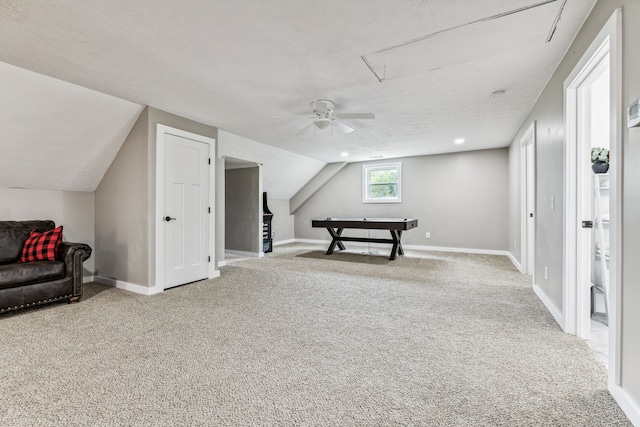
[[42, 246]]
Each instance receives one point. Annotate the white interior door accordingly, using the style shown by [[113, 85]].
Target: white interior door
[[531, 206], [186, 210], [528, 200]]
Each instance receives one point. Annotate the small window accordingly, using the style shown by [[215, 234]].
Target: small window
[[381, 183]]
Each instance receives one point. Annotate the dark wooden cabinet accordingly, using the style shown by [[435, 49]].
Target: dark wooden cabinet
[[267, 232]]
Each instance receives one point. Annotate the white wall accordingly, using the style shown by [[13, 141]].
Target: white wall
[[72, 209]]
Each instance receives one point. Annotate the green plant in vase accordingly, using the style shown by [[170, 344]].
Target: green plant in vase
[[599, 160]]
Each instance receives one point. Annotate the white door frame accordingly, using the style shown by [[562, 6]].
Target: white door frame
[[161, 133], [526, 175], [607, 42]]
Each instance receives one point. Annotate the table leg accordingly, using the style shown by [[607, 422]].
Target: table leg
[[400, 250], [335, 236], [394, 249]]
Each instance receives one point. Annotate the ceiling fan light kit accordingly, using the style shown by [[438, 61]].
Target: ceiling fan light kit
[[322, 123], [325, 117]]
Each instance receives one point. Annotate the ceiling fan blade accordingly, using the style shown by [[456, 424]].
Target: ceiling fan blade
[[305, 129], [361, 116], [344, 128]]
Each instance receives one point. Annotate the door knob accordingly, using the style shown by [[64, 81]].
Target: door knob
[[168, 218]]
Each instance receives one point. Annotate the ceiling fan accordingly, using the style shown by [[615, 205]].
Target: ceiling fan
[[325, 116]]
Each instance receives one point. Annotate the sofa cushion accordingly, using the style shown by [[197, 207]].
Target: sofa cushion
[[13, 234], [42, 246], [12, 275]]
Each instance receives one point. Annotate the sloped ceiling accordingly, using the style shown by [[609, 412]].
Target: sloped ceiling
[[57, 135], [283, 172], [252, 67]]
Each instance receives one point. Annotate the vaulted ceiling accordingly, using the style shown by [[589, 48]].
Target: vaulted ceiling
[[426, 68]]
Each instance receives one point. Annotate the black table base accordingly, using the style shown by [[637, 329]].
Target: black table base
[[336, 226]]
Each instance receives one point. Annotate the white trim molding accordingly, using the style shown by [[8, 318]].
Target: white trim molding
[[369, 167], [555, 312], [131, 287], [156, 264], [607, 42], [284, 242], [515, 262], [626, 403], [416, 248], [243, 253], [529, 138]]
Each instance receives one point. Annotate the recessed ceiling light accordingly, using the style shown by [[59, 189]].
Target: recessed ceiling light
[[459, 141], [345, 154]]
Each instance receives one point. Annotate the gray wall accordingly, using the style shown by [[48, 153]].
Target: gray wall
[[122, 212], [125, 201], [549, 114], [460, 198], [73, 210], [243, 221], [283, 224]]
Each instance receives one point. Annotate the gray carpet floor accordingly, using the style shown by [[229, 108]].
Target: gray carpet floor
[[302, 339]]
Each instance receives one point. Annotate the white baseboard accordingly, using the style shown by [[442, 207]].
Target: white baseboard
[[557, 314], [131, 287], [222, 263], [515, 262], [243, 253], [626, 403], [414, 247], [88, 279], [284, 242], [320, 242], [458, 250]]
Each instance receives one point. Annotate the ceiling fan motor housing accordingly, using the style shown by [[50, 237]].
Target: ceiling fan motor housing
[[325, 117], [323, 107]]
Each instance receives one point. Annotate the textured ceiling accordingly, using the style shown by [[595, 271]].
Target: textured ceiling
[[251, 67]]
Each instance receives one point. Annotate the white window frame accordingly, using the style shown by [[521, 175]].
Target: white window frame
[[366, 197]]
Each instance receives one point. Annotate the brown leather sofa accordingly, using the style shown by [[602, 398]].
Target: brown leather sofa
[[40, 282]]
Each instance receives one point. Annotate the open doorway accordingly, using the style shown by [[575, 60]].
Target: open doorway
[[592, 231], [243, 210], [589, 128]]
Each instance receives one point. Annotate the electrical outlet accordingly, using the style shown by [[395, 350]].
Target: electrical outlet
[[427, 235], [546, 273]]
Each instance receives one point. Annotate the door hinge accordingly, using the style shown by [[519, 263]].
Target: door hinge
[[209, 160], [209, 259], [209, 209]]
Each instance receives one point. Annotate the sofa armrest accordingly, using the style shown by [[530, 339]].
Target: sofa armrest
[[73, 255]]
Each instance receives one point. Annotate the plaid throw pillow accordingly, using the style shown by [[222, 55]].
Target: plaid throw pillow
[[41, 246]]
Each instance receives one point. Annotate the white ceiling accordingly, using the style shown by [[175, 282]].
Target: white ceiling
[[251, 67]]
